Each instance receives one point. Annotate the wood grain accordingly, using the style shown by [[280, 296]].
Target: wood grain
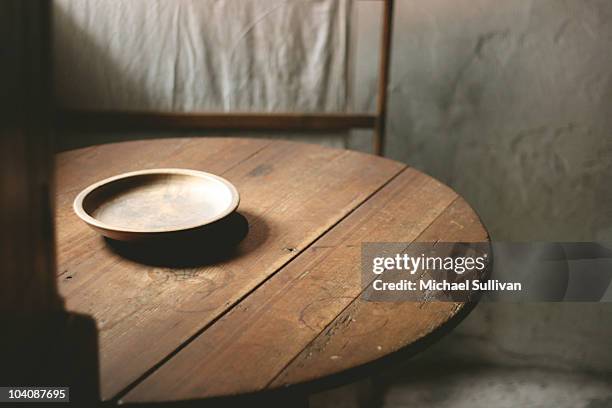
[[293, 309], [366, 331], [291, 194]]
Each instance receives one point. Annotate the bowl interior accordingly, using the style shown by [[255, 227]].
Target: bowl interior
[[159, 202]]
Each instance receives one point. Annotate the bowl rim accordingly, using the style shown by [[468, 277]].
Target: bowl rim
[[77, 204]]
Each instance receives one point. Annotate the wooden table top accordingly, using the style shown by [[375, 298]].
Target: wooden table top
[[285, 308]]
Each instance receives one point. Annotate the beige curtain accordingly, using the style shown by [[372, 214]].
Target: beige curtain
[[202, 55]]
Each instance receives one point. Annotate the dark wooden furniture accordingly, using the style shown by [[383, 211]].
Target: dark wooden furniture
[[40, 343], [337, 121], [285, 308]]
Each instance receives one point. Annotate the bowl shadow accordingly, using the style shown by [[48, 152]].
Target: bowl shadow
[[207, 245]]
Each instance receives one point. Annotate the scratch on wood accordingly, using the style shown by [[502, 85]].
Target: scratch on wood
[[457, 224]]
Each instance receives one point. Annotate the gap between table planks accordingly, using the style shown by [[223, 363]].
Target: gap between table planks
[[291, 194], [308, 322]]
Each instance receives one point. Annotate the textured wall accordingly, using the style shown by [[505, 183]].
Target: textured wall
[[510, 103]]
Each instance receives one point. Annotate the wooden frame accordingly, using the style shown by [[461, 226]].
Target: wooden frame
[[88, 120]]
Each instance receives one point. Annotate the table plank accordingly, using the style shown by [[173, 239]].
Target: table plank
[[291, 194], [275, 323], [366, 331]]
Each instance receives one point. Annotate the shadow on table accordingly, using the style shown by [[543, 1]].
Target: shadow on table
[[211, 244]]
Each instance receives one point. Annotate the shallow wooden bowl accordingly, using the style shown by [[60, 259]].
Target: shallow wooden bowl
[[154, 203]]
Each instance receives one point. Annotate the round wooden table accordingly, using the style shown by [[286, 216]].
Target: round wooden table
[[285, 308]]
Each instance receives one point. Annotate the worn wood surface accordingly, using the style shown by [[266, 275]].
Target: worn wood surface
[[286, 307], [290, 194], [366, 331]]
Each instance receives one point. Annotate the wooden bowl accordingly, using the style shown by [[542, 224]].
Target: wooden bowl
[[155, 203]]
